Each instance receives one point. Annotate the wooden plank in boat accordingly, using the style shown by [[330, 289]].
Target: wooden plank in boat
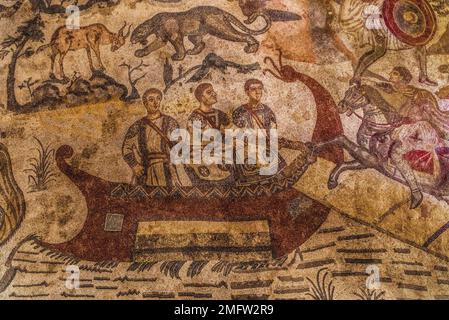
[[202, 240]]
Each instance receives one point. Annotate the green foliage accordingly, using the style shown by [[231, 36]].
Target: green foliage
[[41, 172], [28, 84], [9, 41], [32, 29], [321, 289], [366, 294], [168, 73], [29, 30]]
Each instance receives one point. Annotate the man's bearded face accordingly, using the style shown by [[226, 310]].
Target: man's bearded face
[[153, 102], [209, 96], [255, 92]]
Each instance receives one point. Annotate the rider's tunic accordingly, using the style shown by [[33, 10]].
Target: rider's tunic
[[418, 105]]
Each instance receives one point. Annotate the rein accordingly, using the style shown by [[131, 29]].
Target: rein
[[375, 124]]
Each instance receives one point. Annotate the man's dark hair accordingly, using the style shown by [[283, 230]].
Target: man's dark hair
[[200, 90], [151, 91], [250, 82]]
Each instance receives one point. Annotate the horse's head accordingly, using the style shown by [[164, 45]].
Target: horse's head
[[354, 99]]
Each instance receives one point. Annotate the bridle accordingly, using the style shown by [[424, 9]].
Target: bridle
[[375, 124], [372, 123]]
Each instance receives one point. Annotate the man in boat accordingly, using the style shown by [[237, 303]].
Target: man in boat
[[255, 115], [208, 117], [146, 148], [206, 114]]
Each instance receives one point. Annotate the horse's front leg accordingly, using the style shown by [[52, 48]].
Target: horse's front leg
[[332, 183]]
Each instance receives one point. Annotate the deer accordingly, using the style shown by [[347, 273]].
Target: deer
[[90, 38]]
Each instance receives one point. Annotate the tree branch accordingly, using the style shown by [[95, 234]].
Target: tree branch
[[181, 76], [48, 8], [3, 54], [134, 82], [139, 67]]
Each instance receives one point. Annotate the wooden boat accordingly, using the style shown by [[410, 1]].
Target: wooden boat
[[283, 218]]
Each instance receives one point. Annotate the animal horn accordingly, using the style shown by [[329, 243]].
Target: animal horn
[[120, 32], [129, 31]]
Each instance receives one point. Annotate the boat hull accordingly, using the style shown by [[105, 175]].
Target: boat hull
[[288, 227], [111, 227]]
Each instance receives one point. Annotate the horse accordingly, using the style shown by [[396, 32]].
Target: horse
[[410, 152]]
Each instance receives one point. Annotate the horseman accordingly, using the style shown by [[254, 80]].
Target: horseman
[[406, 149], [410, 102], [398, 91]]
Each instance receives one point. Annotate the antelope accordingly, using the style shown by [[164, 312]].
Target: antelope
[[90, 37]]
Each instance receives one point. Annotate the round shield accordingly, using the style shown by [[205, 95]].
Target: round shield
[[411, 21]]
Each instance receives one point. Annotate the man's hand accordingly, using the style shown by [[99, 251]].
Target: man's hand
[[139, 170]]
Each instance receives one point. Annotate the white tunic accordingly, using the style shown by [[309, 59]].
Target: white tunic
[[362, 20]]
